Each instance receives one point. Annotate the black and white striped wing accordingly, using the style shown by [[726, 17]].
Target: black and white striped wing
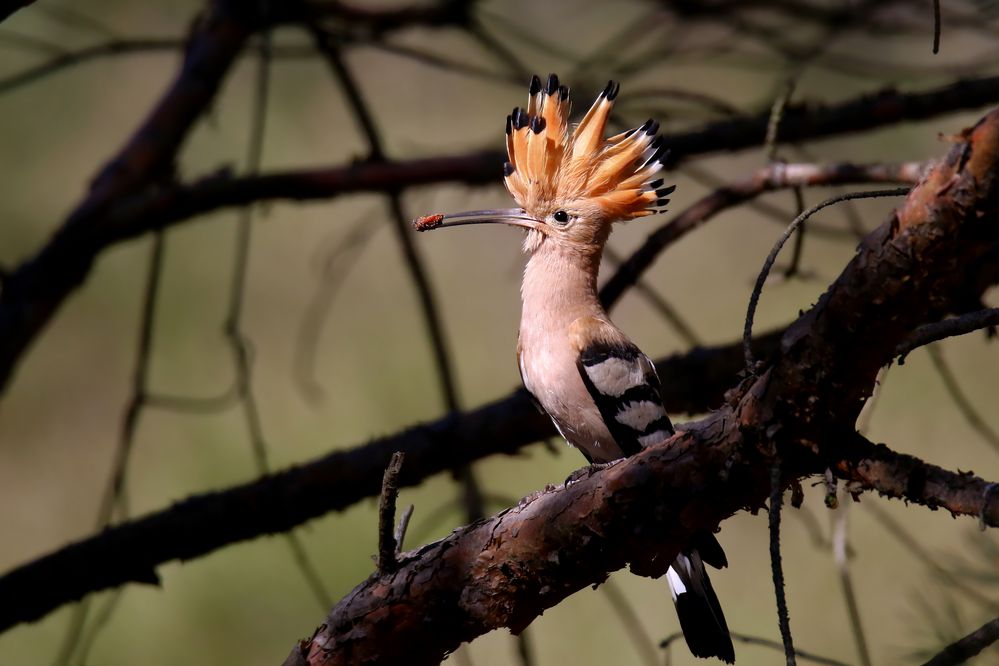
[[623, 383]]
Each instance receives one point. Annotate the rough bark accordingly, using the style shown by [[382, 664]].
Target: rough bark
[[136, 193], [131, 551], [798, 412]]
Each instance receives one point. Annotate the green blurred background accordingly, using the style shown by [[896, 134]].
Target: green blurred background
[[60, 419]]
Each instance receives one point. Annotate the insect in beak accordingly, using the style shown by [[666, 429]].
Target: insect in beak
[[516, 217]]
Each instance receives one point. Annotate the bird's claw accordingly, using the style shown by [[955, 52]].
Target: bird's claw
[[588, 471]]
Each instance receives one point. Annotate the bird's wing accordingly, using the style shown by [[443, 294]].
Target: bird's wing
[[623, 383]]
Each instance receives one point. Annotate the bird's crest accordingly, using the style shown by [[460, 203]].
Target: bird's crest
[[549, 161]]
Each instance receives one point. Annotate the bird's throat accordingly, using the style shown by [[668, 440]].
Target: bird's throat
[[558, 288]]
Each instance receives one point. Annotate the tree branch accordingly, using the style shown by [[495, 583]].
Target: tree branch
[[961, 651], [507, 570], [33, 292], [132, 182], [900, 476], [388, 545], [130, 551], [904, 259], [639, 512], [8, 7], [380, 20], [769, 178], [814, 121], [962, 325]]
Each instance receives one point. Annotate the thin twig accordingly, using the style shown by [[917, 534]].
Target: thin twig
[[211, 404], [961, 400], [815, 531], [326, 44], [854, 223], [758, 204], [644, 645], [708, 102], [793, 268], [783, 617], [953, 326], [387, 543], [446, 64], [39, 286], [967, 647], [936, 27], [401, 225], [76, 642], [839, 548], [769, 178], [600, 57], [912, 546], [74, 18], [508, 57], [100, 622], [524, 650], [763, 642], [464, 475], [122, 47], [194, 526], [238, 341], [337, 264], [27, 42], [659, 303], [747, 335], [766, 642], [776, 115]]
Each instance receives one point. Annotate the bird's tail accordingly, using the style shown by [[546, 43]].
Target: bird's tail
[[701, 617]]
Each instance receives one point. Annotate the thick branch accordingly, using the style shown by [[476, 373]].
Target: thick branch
[[175, 204], [506, 571], [8, 7], [131, 551], [906, 477], [35, 290], [904, 275], [379, 20], [178, 203], [300, 494], [639, 512], [303, 493], [814, 121]]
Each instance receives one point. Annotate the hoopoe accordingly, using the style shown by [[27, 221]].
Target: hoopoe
[[600, 390]]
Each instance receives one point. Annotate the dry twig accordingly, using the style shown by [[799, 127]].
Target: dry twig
[[388, 544]]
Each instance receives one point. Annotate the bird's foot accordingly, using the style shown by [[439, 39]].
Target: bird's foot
[[588, 471]]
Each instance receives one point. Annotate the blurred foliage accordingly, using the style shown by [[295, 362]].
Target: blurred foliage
[[438, 92]]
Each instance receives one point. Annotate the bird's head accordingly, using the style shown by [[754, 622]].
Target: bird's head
[[571, 183]]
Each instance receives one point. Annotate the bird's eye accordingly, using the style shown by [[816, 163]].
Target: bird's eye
[[561, 216]]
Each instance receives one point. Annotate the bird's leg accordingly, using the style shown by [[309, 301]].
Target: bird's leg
[[590, 470]]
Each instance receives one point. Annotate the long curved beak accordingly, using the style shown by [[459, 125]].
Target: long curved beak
[[516, 217]]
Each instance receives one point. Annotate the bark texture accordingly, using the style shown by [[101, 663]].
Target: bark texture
[[797, 411]]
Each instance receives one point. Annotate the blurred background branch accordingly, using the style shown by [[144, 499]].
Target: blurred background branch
[[409, 124]]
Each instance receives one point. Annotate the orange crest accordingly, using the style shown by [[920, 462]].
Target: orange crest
[[551, 162]]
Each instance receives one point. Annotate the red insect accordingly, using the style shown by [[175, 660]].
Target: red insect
[[428, 222]]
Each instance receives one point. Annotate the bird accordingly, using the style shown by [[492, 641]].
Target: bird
[[572, 185]]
